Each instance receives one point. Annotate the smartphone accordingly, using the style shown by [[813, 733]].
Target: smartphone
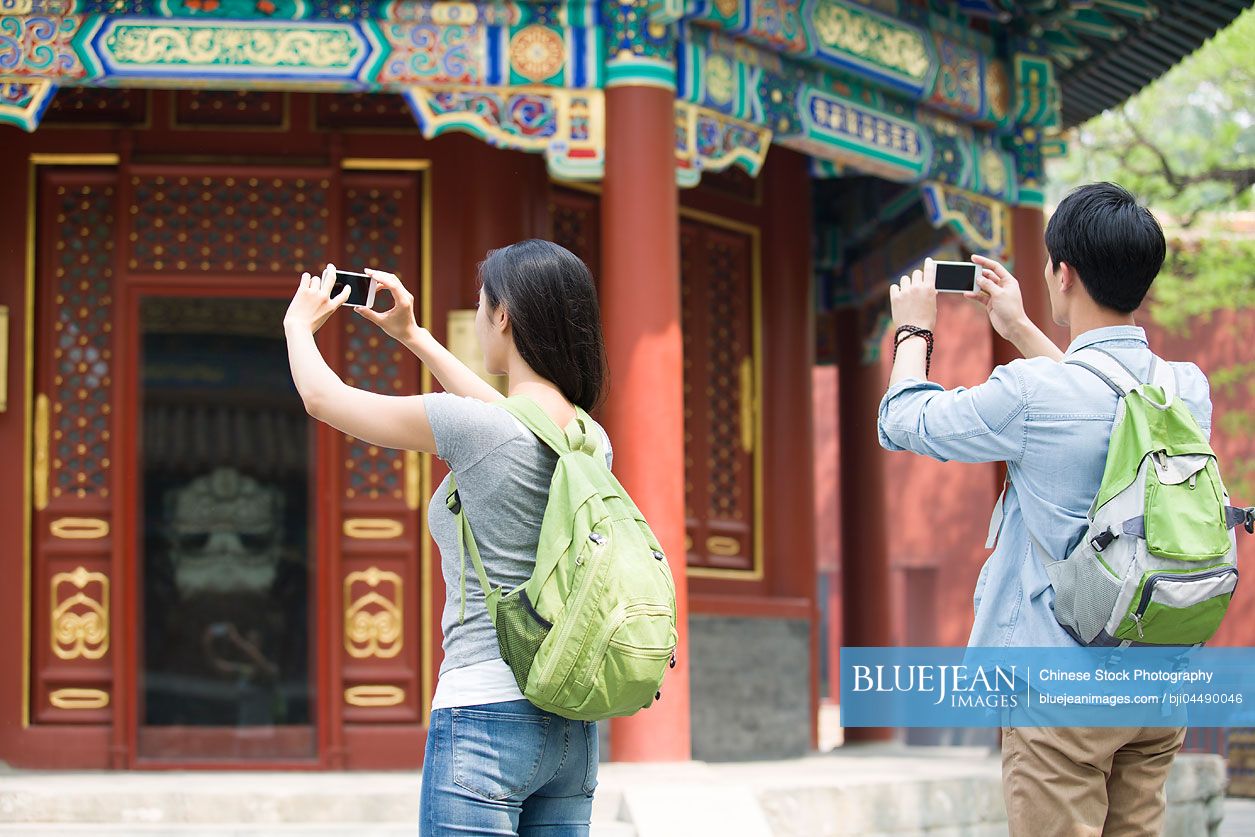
[[362, 288], [952, 277]]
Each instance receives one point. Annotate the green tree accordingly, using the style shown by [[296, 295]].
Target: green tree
[[1185, 145]]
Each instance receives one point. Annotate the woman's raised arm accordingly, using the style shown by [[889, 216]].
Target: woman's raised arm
[[385, 420], [399, 323]]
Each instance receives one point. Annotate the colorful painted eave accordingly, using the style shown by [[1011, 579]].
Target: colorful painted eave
[[911, 100]]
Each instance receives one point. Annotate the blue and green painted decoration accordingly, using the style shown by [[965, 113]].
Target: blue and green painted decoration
[[886, 88]]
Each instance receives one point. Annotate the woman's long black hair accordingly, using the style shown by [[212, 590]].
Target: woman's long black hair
[[552, 303]]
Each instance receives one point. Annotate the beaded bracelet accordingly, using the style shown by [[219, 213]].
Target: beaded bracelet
[[914, 331]]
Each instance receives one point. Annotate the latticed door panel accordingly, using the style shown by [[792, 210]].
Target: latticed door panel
[[73, 438], [211, 222], [720, 424], [577, 225], [720, 378], [378, 495]]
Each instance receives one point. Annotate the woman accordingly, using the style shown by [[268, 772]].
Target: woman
[[495, 764]]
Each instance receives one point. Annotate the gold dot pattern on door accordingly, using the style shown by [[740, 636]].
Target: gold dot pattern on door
[[82, 373], [374, 226], [724, 351], [227, 224]]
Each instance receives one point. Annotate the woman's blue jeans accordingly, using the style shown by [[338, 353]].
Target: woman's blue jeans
[[507, 769]]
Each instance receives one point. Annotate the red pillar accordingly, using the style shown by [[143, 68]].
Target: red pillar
[[640, 296], [788, 323], [865, 601]]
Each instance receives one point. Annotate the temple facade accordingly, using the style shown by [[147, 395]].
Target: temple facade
[[198, 575]]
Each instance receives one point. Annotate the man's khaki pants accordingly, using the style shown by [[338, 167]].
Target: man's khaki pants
[[1087, 781]]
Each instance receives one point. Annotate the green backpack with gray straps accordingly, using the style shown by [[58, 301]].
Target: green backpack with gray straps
[[590, 635], [1158, 563]]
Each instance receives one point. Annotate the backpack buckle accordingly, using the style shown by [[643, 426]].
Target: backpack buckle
[[453, 502], [1102, 541], [1249, 523]]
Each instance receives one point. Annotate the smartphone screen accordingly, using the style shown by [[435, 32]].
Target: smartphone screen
[[956, 276], [359, 283]]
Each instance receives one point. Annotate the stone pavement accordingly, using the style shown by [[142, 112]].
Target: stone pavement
[[1239, 818], [875, 791]]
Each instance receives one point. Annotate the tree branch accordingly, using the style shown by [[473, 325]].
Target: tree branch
[[1168, 173]]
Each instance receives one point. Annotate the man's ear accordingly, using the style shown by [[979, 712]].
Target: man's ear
[[1067, 277]]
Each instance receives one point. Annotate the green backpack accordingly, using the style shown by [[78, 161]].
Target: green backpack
[[1158, 563], [591, 633]]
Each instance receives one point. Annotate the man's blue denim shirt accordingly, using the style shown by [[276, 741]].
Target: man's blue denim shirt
[[1050, 423]]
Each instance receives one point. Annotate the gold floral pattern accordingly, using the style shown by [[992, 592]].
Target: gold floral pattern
[[872, 39], [80, 620], [373, 614], [537, 52], [218, 44]]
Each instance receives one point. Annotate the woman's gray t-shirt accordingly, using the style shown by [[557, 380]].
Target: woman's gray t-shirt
[[503, 472]]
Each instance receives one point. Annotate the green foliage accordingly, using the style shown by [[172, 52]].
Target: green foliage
[[1186, 143], [1185, 146], [1200, 277]]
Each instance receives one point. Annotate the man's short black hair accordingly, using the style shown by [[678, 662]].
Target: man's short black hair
[[1115, 246]]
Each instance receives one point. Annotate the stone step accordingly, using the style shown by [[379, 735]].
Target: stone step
[[599, 829], [201, 830], [208, 799], [213, 801]]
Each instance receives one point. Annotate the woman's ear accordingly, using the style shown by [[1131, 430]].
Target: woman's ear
[[501, 319]]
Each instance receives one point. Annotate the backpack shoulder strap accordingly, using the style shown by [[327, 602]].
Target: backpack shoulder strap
[[578, 435], [535, 419], [466, 543], [1164, 376], [1112, 372]]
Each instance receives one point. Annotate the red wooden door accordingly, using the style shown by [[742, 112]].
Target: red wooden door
[[721, 378], [222, 580], [74, 529], [720, 302]]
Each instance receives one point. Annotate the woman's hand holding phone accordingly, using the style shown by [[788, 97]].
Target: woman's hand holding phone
[[398, 322], [313, 304]]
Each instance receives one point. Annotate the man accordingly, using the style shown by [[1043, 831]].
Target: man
[[1050, 423]]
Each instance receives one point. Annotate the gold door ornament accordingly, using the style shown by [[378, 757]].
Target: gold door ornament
[[374, 695], [79, 528], [4, 358], [79, 699], [373, 528], [373, 614], [80, 620]]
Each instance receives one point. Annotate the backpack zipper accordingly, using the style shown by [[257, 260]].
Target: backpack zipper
[[1149, 588], [580, 595], [630, 611]]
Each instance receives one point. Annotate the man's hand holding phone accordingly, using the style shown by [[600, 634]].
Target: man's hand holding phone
[[999, 293], [913, 300]]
